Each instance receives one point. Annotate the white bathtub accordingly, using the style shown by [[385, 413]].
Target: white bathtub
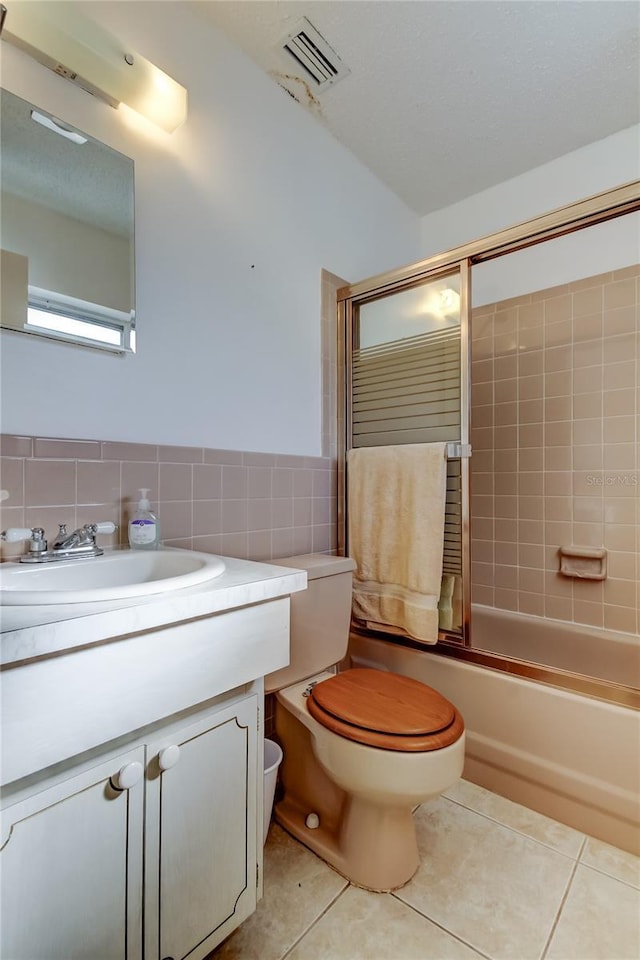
[[569, 756], [603, 654]]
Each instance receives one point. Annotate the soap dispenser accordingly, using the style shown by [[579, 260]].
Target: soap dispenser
[[144, 529]]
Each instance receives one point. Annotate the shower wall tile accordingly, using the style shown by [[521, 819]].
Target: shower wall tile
[[619, 618], [531, 603], [619, 320], [555, 401]]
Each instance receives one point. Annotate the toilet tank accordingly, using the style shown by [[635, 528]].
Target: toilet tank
[[320, 618]]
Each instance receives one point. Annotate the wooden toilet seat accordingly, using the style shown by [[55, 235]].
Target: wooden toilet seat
[[385, 710]]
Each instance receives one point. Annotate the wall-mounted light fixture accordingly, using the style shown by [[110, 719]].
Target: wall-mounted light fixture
[[81, 51]]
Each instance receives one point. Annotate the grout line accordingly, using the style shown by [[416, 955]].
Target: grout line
[[317, 919], [440, 926], [562, 902], [610, 876], [527, 836]]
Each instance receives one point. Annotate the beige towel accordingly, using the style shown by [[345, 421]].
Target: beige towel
[[396, 535], [445, 603]]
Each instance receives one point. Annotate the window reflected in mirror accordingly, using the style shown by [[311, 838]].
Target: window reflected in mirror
[[67, 232]]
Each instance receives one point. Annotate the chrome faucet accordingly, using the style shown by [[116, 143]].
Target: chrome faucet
[[67, 546]]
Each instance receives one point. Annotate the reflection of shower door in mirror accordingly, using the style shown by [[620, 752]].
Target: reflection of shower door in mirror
[[407, 373]]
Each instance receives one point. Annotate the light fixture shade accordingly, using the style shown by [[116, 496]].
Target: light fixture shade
[[80, 50]]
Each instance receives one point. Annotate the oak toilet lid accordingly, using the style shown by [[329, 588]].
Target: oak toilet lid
[[385, 710]]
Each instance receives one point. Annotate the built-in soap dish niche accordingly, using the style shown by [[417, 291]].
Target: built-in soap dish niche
[[583, 563]]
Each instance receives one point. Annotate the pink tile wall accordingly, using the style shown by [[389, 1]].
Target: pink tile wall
[[555, 402], [256, 506]]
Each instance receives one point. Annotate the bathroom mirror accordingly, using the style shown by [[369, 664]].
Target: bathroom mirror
[[67, 231]]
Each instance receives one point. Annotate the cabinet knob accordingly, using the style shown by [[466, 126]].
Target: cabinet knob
[[127, 776], [168, 757]]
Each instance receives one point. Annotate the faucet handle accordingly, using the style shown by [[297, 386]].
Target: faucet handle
[[105, 526], [35, 535], [37, 542], [15, 534], [102, 526]]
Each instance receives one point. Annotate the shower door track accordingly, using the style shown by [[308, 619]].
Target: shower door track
[[574, 216]]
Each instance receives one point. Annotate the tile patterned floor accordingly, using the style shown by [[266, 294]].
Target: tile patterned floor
[[496, 880]]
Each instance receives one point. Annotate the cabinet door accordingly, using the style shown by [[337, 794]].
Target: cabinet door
[[201, 827], [71, 868]]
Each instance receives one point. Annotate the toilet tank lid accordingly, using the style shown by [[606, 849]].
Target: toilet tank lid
[[318, 564]]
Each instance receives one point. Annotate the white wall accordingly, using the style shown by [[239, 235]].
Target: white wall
[[583, 173], [236, 214], [599, 249]]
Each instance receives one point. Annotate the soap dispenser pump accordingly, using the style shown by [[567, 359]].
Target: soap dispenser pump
[[144, 529]]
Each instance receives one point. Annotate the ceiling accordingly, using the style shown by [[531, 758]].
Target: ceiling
[[446, 98], [88, 182]]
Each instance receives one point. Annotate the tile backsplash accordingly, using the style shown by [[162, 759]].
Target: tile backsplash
[[555, 401], [257, 506]]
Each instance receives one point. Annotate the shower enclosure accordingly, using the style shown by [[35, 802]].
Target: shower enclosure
[[408, 382], [524, 345]]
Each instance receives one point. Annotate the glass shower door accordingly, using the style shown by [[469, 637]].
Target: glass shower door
[[407, 370]]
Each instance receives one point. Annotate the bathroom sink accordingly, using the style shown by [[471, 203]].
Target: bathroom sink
[[117, 575]]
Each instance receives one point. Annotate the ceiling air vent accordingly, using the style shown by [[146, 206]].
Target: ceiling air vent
[[315, 56]]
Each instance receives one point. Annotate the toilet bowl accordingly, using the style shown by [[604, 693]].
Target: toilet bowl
[[361, 747]]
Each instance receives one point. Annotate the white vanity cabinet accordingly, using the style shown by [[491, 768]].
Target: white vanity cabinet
[[202, 850], [71, 867], [131, 771], [72, 860]]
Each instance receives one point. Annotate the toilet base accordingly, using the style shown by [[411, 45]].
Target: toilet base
[[374, 847]]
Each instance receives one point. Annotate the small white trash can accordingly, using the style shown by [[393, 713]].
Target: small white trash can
[[272, 760]]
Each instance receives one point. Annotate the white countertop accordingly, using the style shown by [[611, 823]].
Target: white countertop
[[47, 630]]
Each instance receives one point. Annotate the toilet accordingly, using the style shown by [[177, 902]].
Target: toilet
[[361, 747]]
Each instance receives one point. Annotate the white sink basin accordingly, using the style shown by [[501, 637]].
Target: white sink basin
[[117, 575]]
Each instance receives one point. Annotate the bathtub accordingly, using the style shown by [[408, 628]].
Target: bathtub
[[565, 754], [603, 654]]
